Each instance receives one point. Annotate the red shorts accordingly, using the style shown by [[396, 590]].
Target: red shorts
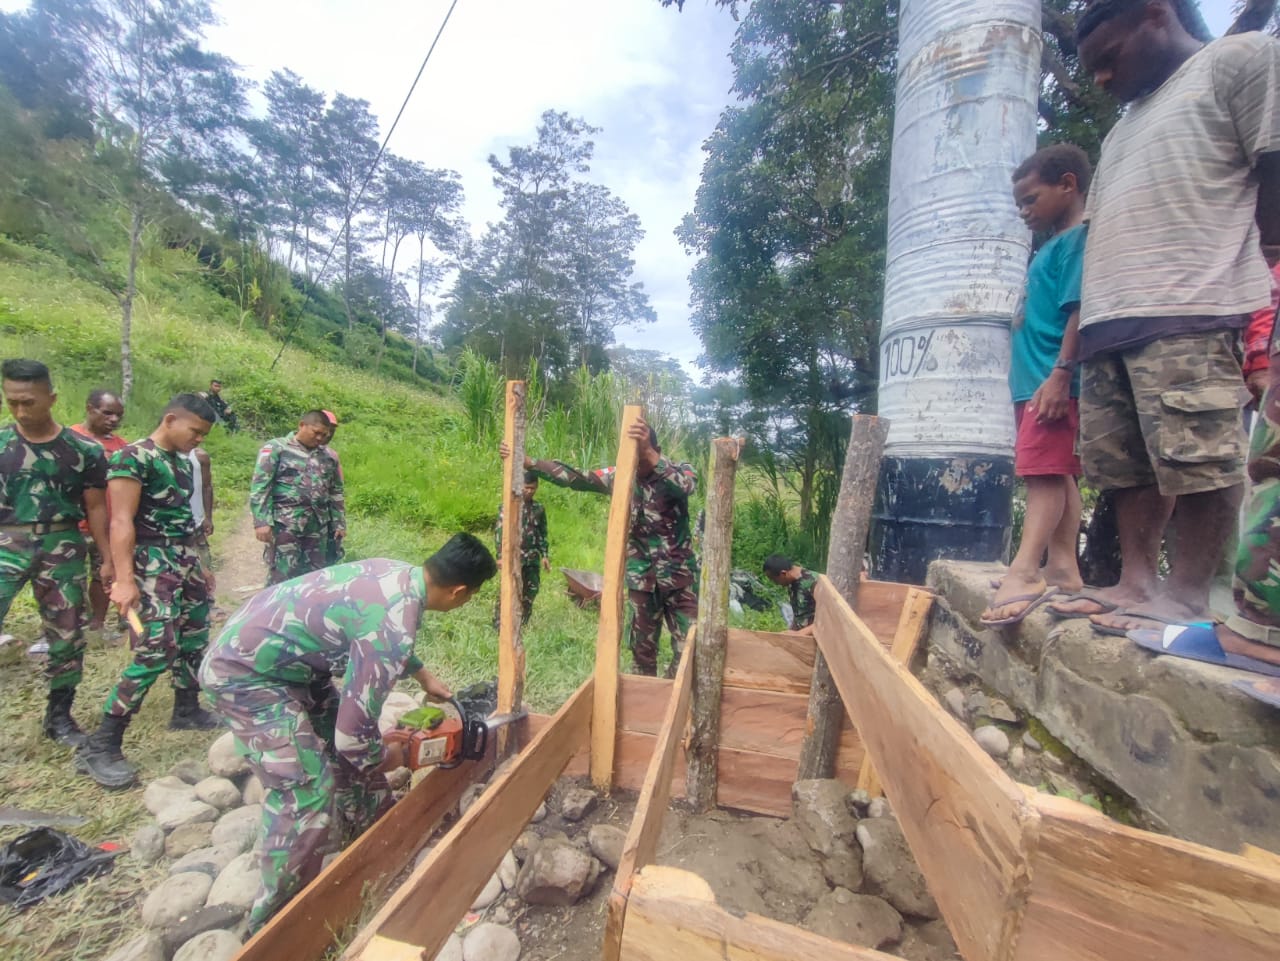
[[1046, 449]]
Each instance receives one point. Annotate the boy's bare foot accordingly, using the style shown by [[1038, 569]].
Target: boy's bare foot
[[1014, 597], [1162, 608]]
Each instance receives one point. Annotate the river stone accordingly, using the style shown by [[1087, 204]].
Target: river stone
[[930, 941], [879, 808], [998, 710], [491, 892], [147, 844], [557, 873], [490, 942], [254, 792], [855, 919], [145, 947], [890, 871], [508, 870], [525, 843], [186, 838], [858, 802], [209, 946], [540, 814], [239, 826], [175, 898], [992, 740], [237, 885], [165, 792], [975, 703], [954, 700], [190, 770], [577, 803], [820, 810], [211, 860], [224, 759], [220, 917], [606, 843], [218, 791], [1017, 757], [452, 950], [186, 812], [1030, 743]]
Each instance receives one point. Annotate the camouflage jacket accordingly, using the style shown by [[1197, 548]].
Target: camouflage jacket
[[533, 534], [45, 483], [164, 506], [297, 490], [803, 605], [356, 622], [660, 547]]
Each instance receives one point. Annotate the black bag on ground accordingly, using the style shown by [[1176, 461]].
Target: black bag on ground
[[45, 862]]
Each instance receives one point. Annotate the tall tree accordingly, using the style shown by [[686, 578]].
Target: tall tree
[[348, 145]]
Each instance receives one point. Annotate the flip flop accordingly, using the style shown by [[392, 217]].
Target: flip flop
[[1262, 689], [1153, 618], [1036, 599], [1085, 595], [1199, 642]]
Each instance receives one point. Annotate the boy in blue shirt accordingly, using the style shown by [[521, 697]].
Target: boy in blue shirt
[[1049, 189]]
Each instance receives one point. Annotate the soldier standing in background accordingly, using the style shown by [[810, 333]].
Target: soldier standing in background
[[160, 575], [662, 571], [271, 674], [296, 497], [535, 551], [103, 412], [50, 479]]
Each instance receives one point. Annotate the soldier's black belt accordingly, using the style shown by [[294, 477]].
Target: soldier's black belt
[[39, 528]]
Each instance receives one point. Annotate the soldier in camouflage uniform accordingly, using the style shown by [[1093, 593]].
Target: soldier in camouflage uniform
[[272, 673], [535, 552], [153, 538], [662, 572], [297, 502], [103, 412], [801, 583], [50, 479]]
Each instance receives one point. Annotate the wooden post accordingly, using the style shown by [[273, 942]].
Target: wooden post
[[849, 528], [510, 623], [713, 627], [604, 713]]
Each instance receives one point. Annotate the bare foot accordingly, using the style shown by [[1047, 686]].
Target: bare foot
[[1014, 595], [1101, 600], [1234, 643], [1165, 609]]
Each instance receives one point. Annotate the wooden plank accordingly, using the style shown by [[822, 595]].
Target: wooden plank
[[304, 929], [510, 612], [1261, 856], [1102, 891], [667, 919], [424, 910], [967, 823], [880, 607], [651, 806], [604, 712], [912, 626], [767, 661]]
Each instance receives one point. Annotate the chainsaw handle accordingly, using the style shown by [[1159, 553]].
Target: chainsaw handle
[[462, 716]]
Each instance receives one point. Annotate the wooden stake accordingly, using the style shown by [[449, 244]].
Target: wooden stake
[[510, 620], [849, 528], [604, 714], [713, 627]]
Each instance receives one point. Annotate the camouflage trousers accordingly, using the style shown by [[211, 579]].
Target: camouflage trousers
[[530, 584], [1256, 584], [175, 622], [54, 565], [677, 606], [291, 555], [314, 803]]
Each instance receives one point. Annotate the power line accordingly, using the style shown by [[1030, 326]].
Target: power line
[[368, 176]]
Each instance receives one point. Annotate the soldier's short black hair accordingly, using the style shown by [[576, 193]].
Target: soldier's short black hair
[[1050, 164], [316, 418], [463, 560], [98, 395], [531, 477], [191, 404], [26, 371], [776, 564], [215, 381], [1188, 12]]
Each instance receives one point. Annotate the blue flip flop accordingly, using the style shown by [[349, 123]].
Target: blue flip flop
[[1264, 689], [1198, 642]]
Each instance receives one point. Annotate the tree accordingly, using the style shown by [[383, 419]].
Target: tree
[[348, 145]]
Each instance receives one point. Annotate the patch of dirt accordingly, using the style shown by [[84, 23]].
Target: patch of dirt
[[240, 568]]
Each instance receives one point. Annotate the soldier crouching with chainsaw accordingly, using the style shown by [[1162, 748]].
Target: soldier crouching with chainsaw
[[300, 674]]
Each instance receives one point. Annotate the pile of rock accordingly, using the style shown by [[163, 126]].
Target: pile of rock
[[208, 815]]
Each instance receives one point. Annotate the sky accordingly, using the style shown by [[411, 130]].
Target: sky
[[653, 79]]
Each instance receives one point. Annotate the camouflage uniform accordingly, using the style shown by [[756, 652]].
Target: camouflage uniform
[[298, 494], [271, 674], [175, 597], [41, 504], [533, 548], [803, 605], [662, 570], [110, 444]]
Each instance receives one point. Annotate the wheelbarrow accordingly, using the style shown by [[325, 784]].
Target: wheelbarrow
[[583, 587]]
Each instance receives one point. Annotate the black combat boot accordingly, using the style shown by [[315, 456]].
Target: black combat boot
[[188, 715], [59, 725], [101, 757]]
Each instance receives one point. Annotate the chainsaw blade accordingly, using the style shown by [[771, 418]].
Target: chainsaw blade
[[502, 720]]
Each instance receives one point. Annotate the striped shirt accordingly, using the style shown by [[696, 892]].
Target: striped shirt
[[1172, 205]]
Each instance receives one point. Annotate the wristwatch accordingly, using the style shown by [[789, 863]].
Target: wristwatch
[[1068, 365]]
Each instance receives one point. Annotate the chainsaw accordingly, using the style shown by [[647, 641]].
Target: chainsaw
[[432, 738]]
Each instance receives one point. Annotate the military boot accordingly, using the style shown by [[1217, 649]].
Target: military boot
[[188, 715], [101, 757], [59, 725]]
